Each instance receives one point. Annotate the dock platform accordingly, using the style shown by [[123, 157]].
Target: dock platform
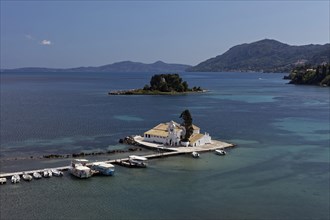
[[161, 151]]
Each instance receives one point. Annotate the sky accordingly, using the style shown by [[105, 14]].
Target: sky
[[64, 34]]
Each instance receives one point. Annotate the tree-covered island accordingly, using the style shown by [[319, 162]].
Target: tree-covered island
[[162, 84]]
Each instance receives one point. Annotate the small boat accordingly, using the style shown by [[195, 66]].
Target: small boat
[[57, 172], [36, 175], [3, 180], [133, 161], [195, 154], [15, 178], [79, 169], [124, 163], [137, 161], [104, 168], [26, 177], [220, 152], [47, 173]]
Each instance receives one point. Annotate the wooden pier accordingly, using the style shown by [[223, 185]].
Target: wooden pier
[[161, 152]]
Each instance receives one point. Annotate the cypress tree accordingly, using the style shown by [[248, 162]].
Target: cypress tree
[[187, 123]]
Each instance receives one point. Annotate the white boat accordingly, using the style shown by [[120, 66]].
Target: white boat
[[137, 161], [3, 180], [36, 175], [47, 173], [104, 168], [15, 178], [57, 172], [79, 169], [220, 152], [26, 177], [195, 154]]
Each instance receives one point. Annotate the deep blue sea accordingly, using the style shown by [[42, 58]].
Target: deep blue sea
[[279, 169]]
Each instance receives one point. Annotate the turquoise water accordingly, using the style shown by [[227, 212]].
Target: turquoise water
[[279, 169], [309, 129]]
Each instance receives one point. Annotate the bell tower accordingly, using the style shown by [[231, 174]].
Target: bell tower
[[172, 137]]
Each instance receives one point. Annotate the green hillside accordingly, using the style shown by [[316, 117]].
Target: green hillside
[[307, 75], [265, 56]]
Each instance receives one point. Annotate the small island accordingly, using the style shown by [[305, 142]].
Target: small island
[[162, 84], [309, 75]]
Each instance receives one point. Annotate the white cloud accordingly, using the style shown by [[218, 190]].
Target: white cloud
[[46, 42]]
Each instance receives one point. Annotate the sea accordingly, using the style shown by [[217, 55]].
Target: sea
[[279, 168]]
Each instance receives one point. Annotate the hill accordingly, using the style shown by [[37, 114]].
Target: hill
[[125, 66], [265, 56]]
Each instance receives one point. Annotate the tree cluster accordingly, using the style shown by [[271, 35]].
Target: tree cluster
[[319, 75], [169, 83]]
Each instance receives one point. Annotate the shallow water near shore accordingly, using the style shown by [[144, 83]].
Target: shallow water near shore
[[279, 169]]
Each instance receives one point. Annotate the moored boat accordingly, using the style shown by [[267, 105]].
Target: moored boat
[[3, 180], [47, 173], [103, 168], [137, 161], [220, 152], [133, 161], [79, 169], [57, 172], [124, 163], [195, 154], [26, 177], [36, 175], [15, 178]]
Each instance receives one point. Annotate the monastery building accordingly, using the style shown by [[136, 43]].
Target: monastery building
[[171, 133]]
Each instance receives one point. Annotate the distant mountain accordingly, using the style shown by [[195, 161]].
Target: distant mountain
[[265, 56], [125, 66], [128, 66]]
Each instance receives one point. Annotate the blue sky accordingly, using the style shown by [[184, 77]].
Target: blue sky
[[93, 33]]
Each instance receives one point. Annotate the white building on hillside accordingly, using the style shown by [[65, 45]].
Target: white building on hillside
[[171, 134]]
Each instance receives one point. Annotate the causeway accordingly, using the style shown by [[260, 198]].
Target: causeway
[[161, 151]]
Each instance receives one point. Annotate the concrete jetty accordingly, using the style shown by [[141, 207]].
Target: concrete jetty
[[161, 151]]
